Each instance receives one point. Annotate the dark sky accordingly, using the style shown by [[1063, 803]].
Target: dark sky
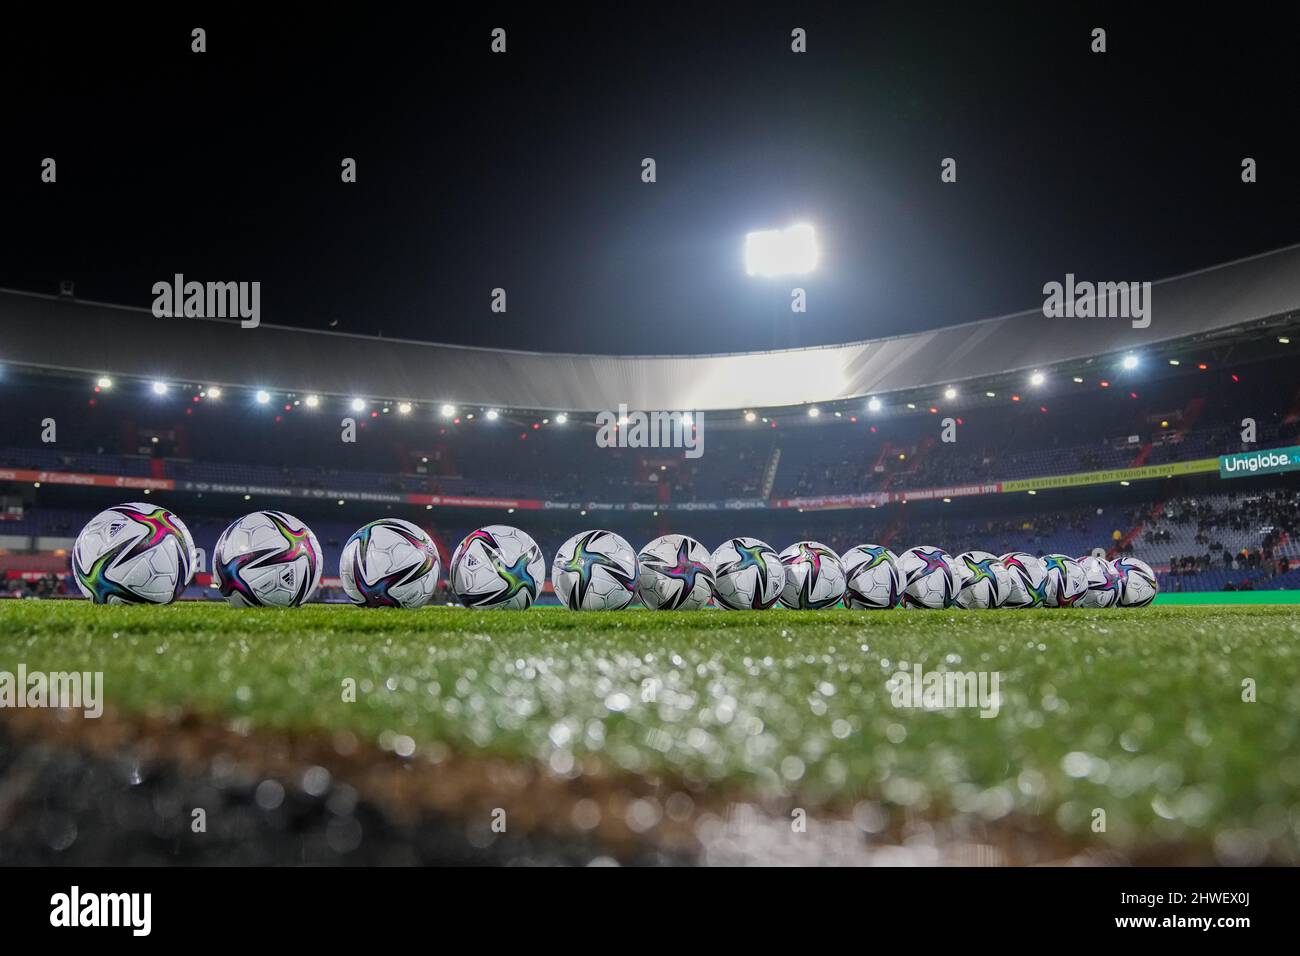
[[523, 170]]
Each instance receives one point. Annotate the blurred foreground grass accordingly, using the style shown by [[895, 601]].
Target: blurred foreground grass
[[1138, 712]]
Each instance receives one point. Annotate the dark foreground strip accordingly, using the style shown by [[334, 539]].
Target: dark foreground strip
[[76, 792], [188, 789]]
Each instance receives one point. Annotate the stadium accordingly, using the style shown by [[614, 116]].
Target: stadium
[[456, 439], [997, 589]]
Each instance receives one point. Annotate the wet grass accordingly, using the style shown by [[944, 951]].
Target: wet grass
[[1139, 713]]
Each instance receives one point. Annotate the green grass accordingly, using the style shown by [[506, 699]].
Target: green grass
[[1139, 712], [1170, 598]]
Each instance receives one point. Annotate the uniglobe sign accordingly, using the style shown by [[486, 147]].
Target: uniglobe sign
[[1267, 462]]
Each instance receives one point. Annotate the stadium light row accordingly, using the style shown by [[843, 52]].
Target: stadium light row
[[261, 396], [1037, 379]]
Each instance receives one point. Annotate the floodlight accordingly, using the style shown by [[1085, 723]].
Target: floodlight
[[779, 252]]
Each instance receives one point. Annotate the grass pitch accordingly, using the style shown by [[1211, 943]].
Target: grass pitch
[[1139, 713]]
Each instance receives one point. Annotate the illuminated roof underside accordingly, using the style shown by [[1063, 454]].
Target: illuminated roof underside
[[65, 334]]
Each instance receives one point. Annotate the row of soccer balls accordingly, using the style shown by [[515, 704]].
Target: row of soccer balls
[[141, 554]]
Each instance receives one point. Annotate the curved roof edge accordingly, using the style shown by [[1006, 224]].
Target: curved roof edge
[[67, 334]]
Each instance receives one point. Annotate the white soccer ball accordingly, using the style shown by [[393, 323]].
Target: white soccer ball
[[133, 553], [267, 558], [676, 574], [1138, 586], [871, 576], [747, 575], [814, 576], [1026, 580], [595, 571], [982, 580], [929, 578], [1104, 583], [1065, 583], [389, 563], [497, 567]]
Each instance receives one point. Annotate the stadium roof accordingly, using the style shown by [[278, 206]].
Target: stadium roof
[[62, 333]]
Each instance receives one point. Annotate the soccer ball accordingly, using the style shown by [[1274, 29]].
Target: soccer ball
[[389, 563], [1104, 583], [814, 577], [871, 578], [747, 575], [595, 571], [1137, 582], [1065, 582], [929, 578], [133, 554], [497, 567], [267, 558], [982, 580], [1026, 580], [676, 574]]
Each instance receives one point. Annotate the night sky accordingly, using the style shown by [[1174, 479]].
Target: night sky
[[523, 170]]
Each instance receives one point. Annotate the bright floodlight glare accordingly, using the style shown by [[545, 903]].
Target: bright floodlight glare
[[358, 405], [780, 252], [1038, 378], [447, 411], [873, 405], [262, 397], [160, 388], [104, 382], [404, 408], [750, 416], [214, 391], [492, 414], [1130, 362], [312, 401], [814, 412], [950, 393], [561, 418]]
